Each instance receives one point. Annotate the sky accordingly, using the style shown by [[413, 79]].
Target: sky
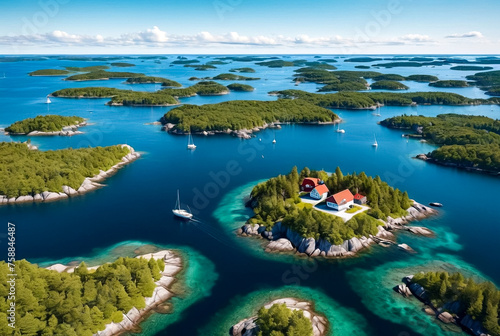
[[249, 27]]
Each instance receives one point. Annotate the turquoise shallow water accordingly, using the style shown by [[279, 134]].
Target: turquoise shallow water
[[195, 282], [135, 205]]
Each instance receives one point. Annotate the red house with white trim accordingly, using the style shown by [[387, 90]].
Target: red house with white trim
[[309, 183], [319, 192], [341, 200]]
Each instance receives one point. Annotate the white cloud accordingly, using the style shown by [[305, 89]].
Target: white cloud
[[155, 37], [416, 38], [475, 34]]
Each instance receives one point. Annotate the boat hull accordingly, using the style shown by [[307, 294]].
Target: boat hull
[[182, 214]]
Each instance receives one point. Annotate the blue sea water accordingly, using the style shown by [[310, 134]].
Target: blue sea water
[[213, 180]]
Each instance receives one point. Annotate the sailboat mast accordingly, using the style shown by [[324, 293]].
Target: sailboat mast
[[178, 203]]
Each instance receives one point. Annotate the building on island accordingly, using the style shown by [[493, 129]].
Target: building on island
[[309, 183], [360, 199], [341, 200], [319, 192]]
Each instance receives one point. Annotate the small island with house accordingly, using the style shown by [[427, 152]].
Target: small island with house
[[331, 215]]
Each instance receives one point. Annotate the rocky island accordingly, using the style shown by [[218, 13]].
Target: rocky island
[[255, 115], [112, 298], [452, 298], [295, 213], [371, 100], [467, 142], [164, 97], [280, 317], [47, 125], [388, 85], [36, 176]]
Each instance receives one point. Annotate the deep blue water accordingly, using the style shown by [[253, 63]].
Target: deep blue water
[[136, 204]]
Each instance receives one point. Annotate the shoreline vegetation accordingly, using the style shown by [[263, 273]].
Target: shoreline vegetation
[[243, 117], [152, 80], [36, 176], [102, 75], [286, 316], [452, 298], [105, 300], [372, 100], [291, 223], [47, 125], [164, 97], [466, 142]]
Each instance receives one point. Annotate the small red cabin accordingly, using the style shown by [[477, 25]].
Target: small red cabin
[[309, 183]]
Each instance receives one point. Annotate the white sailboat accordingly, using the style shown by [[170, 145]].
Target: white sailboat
[[48, 100], [377, 112], [375, 144], [191, 144], [177, 211], [274, 140], [339, 130]]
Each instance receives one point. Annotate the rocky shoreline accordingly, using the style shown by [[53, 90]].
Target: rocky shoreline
[[69, 130], [162, 292], [283, 239], [446, 314], [89, 184], [242, 133], [424, 157], [248, 327]]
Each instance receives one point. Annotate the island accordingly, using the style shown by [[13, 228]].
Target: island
[[422, 78], [470, 68], [449, 83], [49, 72], [388, 85], [335, 80], [488, 81], [122, 65], [467, 142], [164, 97], [344, 86], [243, 117], [362, 67], [240, 87], [102, 75], [246, 58], [287, 316], [200, 67], [185, 61], [105, 300], [37, 176], [88, 68], [230, 76], [389, 77], [371, 100], [410, 64], [362, 59], [329, 215], [47, 125], [153, 80], [245, 69], [277, 64], [453, 298], [217, 63]]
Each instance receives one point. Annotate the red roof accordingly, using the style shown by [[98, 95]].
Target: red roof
[[321, 189], [359, 196], [341, 197], [311, 181]]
